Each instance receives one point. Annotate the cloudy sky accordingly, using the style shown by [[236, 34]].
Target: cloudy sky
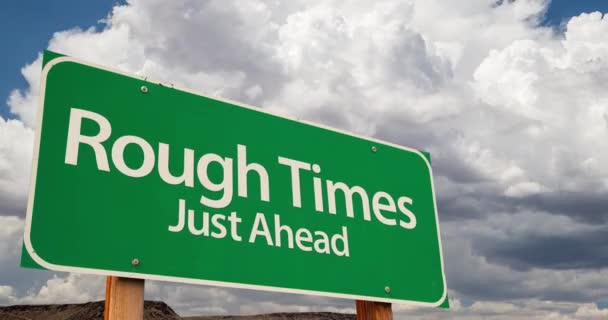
[[509, 97]]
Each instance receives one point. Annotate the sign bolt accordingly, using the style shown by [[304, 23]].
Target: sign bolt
[[387, 289], [374, 149], [135, 262], [144, 89]]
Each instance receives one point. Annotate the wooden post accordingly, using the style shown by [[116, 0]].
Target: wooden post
[[124, 299], [369, 310], [106, 308]]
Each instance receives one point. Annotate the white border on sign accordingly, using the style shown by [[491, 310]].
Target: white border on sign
[[50, 266]]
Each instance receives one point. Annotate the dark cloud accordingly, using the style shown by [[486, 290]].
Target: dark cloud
[[445, 157], [588, 207], [579, 250], [584, 207], [468, 206], [9, 206]]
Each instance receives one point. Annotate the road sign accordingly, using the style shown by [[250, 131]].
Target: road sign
[[139, 179]]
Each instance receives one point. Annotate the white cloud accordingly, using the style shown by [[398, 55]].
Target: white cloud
[[591, 311], [555, 90], [11, 231], [25, 104], [71, 288], [16, 145], [6, 295], [493, 307]]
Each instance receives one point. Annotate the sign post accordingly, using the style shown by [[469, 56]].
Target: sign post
[[370, 310], [124, 299], [106, 312], [137, 179]]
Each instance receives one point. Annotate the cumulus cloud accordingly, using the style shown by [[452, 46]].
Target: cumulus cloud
[[6, 295], [11, 230], [73, 288], [482, 263], [514, 114], [16, 146], [591, 311], [25, 104]]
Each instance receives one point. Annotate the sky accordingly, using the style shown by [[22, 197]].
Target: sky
[[509, 98], [28, 26]]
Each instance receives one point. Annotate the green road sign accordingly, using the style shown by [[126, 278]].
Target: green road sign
[[139, 179]]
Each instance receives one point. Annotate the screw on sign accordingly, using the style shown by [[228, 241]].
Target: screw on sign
[[214, 182]]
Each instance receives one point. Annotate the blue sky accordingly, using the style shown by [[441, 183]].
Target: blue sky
[[28, 25], [561, 10]]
